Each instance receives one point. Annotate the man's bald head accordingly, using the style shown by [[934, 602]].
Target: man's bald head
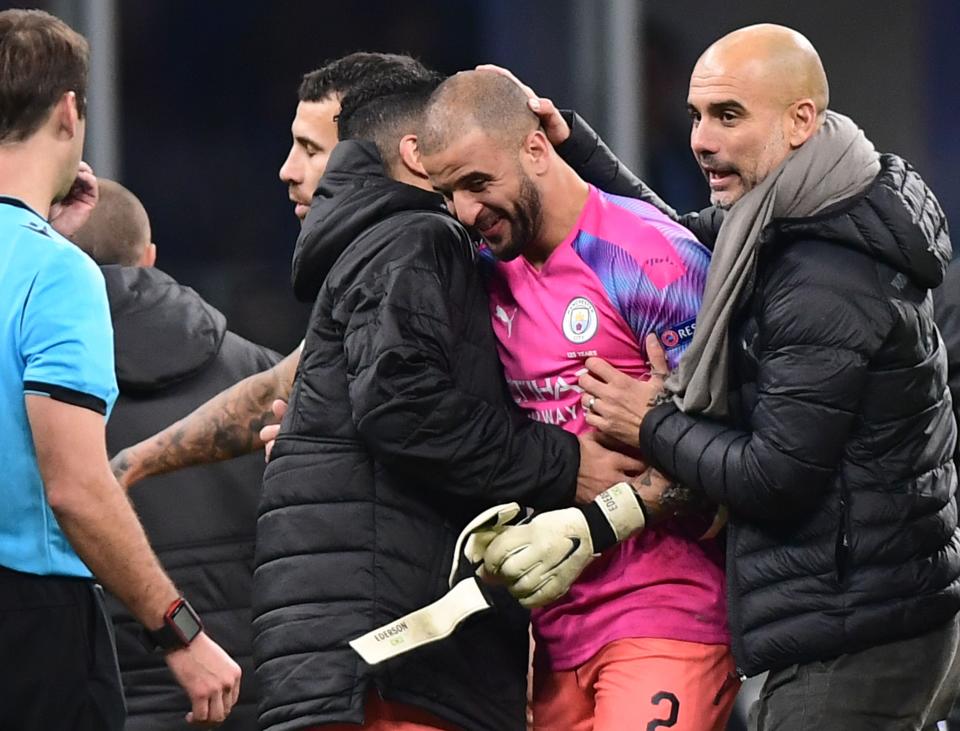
[[481, 100], [781, 61], [118, 231]]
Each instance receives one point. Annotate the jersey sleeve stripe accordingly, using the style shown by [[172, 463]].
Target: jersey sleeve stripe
[[66, 395]]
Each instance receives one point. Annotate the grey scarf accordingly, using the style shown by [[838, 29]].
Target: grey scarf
[[838, 162]]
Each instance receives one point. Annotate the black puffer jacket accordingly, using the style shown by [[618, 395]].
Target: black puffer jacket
[[836, 462], [173, 353], [399, 431]]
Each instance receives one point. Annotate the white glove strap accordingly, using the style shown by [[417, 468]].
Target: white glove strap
[[432, 622], [438, 620], [621, 507]]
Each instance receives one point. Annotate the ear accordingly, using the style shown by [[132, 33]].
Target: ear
[[803, 122], [67, 116], [410, 156], [538, 151], [148, 258]]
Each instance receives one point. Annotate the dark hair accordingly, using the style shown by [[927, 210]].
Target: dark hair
[[41, 59], [340, 75], [385, 107]]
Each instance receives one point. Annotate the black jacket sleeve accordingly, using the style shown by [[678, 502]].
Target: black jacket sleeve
[[818, 326], [403, 342], [589, 155]]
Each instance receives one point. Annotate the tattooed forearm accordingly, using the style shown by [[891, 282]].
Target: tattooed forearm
[[665, 498], [660, 397], [226, 426]]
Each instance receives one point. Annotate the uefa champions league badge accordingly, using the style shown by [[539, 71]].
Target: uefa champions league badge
[[673, 336], [580, 320]]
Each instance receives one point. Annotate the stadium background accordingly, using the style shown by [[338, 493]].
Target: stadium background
[[192, 101]]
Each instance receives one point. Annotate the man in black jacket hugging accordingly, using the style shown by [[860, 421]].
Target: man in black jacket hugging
[[813, 400], [399, 430]]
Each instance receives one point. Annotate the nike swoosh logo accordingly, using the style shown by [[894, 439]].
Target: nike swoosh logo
[[575, 546]]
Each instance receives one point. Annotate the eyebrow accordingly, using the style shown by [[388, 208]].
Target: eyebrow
[[474, 176], [715, 108], [307, 142]]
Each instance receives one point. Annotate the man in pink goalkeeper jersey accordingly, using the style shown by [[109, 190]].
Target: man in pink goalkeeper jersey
[[640, 640]]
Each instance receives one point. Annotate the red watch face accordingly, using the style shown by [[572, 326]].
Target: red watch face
[[184, 621]]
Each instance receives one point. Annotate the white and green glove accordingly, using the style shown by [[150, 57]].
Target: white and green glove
[[539, 560]]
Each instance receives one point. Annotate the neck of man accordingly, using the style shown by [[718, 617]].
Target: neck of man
[[563, 195], [28, 173]]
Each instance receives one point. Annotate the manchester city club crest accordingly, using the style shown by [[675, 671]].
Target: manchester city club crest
[[580, 320]]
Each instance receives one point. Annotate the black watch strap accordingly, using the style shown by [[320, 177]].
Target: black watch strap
[[165, 638]]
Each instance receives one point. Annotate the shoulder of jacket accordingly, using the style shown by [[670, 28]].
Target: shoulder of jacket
[[826, 263], [823, 266]]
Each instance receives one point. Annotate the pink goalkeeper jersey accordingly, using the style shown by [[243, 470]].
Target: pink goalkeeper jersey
[[624, 271]]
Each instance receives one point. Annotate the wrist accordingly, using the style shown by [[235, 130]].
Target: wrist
[[179, 626], [156, 609], [614, 515], [665, 498], [569, 148]]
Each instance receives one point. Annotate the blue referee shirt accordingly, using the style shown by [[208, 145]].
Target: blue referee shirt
[[56, 340]]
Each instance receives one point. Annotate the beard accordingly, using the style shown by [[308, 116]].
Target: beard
[[525, 221]]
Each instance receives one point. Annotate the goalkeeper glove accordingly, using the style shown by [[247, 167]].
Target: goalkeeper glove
[[538, 561]]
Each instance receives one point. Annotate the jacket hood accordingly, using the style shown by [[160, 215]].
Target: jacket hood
[[897, 220], [354, 194], [163, 332]]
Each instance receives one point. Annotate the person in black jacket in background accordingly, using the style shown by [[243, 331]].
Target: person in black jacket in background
[[173, 352], [814, 401]]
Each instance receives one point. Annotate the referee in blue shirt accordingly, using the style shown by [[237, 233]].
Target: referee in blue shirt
[[63, 517]]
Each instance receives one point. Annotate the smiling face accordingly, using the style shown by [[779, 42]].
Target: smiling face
[[488, 189], [314, 131]]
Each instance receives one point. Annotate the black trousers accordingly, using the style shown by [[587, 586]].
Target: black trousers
[[901, 686], [58, 662]]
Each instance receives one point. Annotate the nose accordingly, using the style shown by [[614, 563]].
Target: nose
[[290, 172], [702, 139], [466, 208]]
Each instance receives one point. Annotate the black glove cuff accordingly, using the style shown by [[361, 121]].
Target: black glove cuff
[[601, 532]]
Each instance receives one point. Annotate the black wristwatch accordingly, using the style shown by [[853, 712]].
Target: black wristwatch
[[181, 625]]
